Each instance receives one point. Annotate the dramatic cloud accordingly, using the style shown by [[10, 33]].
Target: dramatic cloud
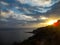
[[4, 3], [30, 6], [29, 11], [43, 5], [17, 16]]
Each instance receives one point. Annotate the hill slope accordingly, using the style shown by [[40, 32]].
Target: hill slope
[[49, 35]]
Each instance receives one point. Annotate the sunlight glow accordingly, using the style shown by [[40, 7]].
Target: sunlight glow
[[43, 18], [51, 22]]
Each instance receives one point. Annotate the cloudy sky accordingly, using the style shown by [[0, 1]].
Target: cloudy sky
[[28, 13]]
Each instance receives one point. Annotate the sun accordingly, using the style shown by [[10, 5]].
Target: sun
[[50, 22]]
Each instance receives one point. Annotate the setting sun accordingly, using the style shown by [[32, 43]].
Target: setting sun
[[51, 22]]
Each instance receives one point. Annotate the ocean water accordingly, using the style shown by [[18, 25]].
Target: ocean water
[[9, 36]]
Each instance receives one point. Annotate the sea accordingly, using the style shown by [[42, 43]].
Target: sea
[[10, 35]]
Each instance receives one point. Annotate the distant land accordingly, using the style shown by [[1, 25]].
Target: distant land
[[49, 35]]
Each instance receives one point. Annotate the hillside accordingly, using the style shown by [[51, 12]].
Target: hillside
[[49, 35]]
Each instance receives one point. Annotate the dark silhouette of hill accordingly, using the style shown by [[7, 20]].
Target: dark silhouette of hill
[[49, 35]]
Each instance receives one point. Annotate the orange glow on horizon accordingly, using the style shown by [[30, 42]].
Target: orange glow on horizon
[[50, 22]]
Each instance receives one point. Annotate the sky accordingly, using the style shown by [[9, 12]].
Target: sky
[[28, 13]]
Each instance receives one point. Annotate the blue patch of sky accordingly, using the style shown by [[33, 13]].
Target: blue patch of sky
[[32, 9]]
